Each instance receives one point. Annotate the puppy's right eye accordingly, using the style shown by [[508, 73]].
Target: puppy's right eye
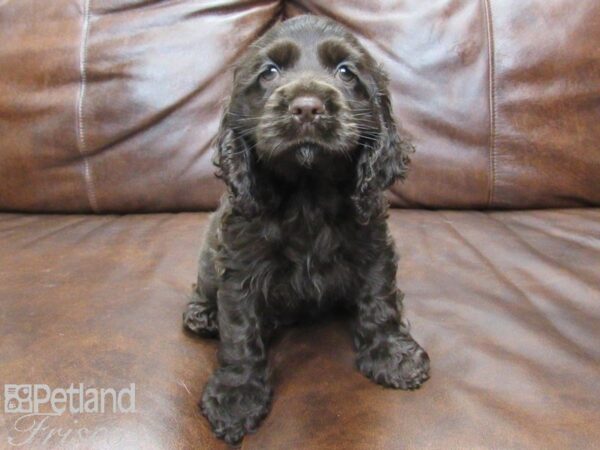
[[345, 74], [270, 73]]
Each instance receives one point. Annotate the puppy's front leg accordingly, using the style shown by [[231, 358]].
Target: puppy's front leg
[[387, 353], [237, 396]]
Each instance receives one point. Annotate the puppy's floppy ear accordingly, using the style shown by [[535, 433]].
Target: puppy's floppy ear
[[383, 161], [234, 162]]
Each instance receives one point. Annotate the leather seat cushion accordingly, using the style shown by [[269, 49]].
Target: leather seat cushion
[[506, 303]]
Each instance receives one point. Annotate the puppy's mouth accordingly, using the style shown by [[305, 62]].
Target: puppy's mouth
[[306, 142]]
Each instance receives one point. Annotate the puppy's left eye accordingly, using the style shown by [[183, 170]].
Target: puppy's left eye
[[345, 74], [270, 73]]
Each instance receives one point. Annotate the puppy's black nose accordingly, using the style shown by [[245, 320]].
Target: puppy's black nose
[[307, 108]]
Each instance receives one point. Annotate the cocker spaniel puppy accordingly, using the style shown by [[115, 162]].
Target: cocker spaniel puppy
[[307, 146]]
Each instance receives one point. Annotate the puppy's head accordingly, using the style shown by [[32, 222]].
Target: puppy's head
[[308, 97]]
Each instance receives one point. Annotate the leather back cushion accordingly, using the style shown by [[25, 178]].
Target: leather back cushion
[[112, 105]]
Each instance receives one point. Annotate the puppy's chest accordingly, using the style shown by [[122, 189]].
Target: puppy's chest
[[312, 260]]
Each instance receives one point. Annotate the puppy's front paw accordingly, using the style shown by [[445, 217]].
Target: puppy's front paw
[[397, 362], [235, 407]]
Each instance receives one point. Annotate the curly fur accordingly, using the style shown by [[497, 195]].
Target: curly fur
[[302, 228]]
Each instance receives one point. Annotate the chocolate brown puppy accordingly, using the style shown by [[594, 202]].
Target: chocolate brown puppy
[[307, 146]]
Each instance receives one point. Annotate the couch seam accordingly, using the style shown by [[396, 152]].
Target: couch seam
[[81, 130], [491, 100]]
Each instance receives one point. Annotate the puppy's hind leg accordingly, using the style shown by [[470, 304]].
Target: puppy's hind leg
[[200, 316]]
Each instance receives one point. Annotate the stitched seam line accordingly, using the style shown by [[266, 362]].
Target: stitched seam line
[[81, 140], [492, 101]]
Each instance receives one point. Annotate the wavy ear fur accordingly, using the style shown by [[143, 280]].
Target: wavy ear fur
[[381, 164], [234, 161]]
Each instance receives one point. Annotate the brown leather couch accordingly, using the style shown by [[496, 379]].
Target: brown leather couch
[[107, 111]]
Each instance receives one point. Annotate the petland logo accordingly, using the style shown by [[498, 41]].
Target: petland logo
[[37, 405], [40, 399]]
